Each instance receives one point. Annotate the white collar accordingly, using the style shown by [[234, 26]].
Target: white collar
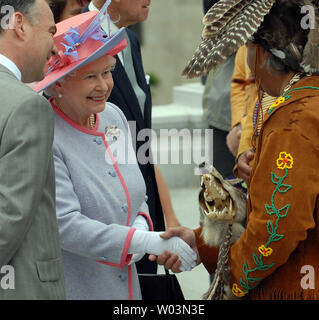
[[114, 28], [11, 66]]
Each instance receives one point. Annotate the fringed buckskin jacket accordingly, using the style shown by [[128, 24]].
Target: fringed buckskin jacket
[[277, 256]]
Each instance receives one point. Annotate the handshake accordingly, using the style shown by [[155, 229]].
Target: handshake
[[175, 249]]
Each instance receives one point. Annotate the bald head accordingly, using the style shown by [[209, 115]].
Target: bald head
[[28, 40]]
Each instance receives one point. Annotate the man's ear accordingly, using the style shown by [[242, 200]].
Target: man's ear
[[20, 25]]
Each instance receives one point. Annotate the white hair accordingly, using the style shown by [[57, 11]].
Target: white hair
[[51, 92]]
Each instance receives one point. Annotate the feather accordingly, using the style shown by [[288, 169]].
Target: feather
[[218, 10], [240, 30], [215, 25], [195, 66], [212, 52]]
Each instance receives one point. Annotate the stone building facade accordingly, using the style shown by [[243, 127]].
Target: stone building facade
[[170, 36]]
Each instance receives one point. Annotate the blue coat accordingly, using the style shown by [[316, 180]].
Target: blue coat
[[98, 198], [124, 97]]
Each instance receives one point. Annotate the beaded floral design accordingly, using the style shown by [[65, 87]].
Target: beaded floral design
[[237, 291], [287, 96], [276, 104], [265, 251], [284, 162]]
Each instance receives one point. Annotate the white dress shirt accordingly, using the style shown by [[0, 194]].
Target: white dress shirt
[[11, 66]]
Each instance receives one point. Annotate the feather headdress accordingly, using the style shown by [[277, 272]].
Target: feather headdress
[[230, 23]]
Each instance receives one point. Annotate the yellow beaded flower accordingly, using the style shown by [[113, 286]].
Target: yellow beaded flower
[[237, 291], [277, 103], [265, 251], [285, 160]]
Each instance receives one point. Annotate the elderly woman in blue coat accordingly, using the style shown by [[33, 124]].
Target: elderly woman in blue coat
[[100, 192]]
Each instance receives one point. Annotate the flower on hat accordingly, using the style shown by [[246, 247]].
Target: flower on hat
[[285, 160], [59, 61], [73, 40]]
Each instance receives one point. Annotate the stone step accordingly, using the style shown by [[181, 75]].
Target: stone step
[[189, 95]]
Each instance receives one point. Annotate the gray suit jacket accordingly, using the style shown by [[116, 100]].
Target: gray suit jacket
[[29, 240]]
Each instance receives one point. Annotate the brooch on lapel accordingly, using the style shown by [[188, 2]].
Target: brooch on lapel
[[112, 133]]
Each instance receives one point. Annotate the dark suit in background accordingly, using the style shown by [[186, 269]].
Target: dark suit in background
[[207, 4], [124, 97]]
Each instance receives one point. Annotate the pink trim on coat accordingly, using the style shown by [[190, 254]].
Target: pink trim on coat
[[148, 218], [125, 257]]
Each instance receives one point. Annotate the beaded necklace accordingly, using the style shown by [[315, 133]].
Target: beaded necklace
[[91, 119]]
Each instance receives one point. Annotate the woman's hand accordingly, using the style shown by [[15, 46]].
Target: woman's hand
[[153, 243], [171, 260], [139, 223]]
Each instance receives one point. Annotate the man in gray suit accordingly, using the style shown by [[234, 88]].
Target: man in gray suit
[[29, 240]]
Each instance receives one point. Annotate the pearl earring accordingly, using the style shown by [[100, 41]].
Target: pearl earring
[[60, 96]]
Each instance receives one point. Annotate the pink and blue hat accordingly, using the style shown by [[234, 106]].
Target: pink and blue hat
[[81, 40]]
